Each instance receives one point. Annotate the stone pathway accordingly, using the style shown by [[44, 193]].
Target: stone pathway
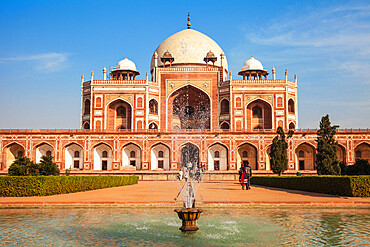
[[162, 193]]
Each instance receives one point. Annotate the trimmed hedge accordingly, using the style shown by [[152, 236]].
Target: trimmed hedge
[[357, 186], [19, 186]]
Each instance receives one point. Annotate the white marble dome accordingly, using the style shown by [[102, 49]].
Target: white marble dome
[[189, 46], [252, 64], [126, 64]]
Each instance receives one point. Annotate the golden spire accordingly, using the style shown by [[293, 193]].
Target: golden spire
[[189, 25]]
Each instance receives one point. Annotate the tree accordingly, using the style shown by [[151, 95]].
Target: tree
[[23, 166], [326, 158], [278, 154], [48, 167]]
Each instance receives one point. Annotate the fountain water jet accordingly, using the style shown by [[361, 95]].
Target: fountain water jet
[[189, 213]]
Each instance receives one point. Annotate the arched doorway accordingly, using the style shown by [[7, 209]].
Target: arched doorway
[[259, 115], [119, 115], [103, 157], [341, 154], [362, 151], [44, 150], [131, 156], [217, 158], [305, 157], [160, 157], [190, 109], [247, 152], [73, 157], [11, 153], [189, 154], [225, 126]]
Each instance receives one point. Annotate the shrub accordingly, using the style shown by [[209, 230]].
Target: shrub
[[18, 186], [358, 186], [48, 167], [23, 166], [361, 167]]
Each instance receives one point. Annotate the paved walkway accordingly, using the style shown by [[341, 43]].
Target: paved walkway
[[162, 193]]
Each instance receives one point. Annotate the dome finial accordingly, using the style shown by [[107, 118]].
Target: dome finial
[[189, 25]]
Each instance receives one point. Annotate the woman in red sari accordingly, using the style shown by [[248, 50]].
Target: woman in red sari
[[243, 179]]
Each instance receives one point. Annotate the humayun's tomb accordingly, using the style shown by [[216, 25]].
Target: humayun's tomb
[[189, 103]]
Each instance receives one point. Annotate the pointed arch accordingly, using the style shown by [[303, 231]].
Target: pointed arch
[[259, 114], [114, 120], [217, 157], [128, 159], [305, 156], [252, 157], [11, 152], [160, 156]]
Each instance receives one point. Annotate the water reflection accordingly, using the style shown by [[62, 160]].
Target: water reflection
[[159, 227]]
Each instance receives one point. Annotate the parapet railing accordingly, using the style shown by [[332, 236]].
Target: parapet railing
[[165, 131]]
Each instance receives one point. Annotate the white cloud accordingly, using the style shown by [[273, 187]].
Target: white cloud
[[45, 62]]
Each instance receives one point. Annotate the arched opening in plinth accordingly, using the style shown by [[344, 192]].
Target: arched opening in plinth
[[160, 157], [247, 152], [103, 157], [191, 109], [217, 157], [305, 155], [341, 154], [131, 156], [44, 150], [11, 153], [73, 156], [189, 155], [362, 151]]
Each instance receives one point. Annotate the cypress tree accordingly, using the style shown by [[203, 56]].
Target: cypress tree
[[278, 154], [326, 157]]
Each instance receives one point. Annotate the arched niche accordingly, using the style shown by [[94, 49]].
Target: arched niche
[[259, 114], [291, 126], [247, 152], [153, 125], [217, 158], [44, 150], [119, 115], [11, 153], [86, 126], [73, 157], [189, 154], [190, 108], [225, 108], [131, 156], [362, 151], [103, 157], [305, 155], [225, 125], [153, 106], [160, 157], [87, 105], [291, 106]]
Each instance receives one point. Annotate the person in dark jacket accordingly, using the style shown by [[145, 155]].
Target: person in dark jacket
[[248, 171]]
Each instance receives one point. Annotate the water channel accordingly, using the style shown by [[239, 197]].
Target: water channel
[[159, 227]]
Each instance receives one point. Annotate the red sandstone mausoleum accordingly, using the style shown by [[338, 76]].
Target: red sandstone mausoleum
[[190, 103]]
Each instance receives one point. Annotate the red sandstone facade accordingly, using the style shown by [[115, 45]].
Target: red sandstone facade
[[188, 107]]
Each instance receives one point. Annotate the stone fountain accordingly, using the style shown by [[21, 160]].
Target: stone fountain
[[189, 214]]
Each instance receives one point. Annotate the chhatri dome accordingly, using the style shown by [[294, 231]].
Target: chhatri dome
[[252, 64], [253, 68], [125, 70], [126, 64], [189, 46]]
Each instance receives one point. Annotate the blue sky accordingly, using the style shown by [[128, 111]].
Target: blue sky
[[45, 46]]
